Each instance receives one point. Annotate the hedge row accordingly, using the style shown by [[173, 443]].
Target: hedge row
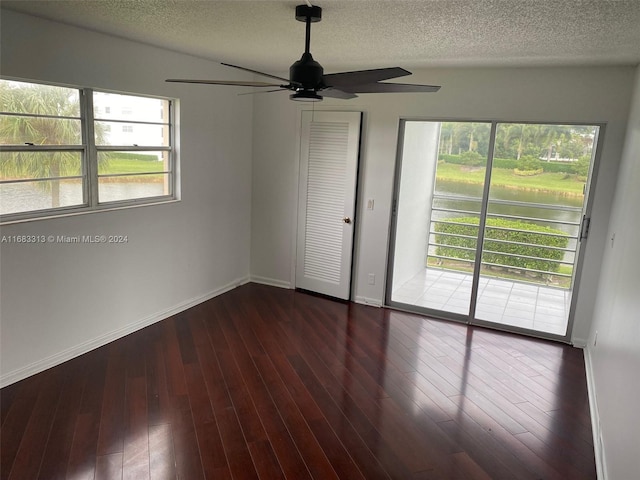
[[508, 163], [527, 173], [512, 163], [527, 233], [455, 159]]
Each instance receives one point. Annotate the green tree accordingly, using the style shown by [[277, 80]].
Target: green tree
[[503, 147], [45, 102], [515, 139], [446, 137], [523, 134], [479, 141], [465, 137], [582, 166]]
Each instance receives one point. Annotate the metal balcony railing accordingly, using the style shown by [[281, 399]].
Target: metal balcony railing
[[444, 215]]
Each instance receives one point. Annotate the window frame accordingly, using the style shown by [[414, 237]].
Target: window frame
[[89, 151]]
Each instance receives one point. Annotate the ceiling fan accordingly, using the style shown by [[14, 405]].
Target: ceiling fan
[[308, 82]]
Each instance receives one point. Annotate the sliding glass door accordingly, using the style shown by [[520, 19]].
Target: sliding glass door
[[487, 222], [433, 265]]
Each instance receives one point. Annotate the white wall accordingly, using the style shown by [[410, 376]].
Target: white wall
[[516, 94], [274, 189], [60, 300], [419, 160], [614, 358]]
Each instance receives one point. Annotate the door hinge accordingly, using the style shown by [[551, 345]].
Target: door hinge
[[584, 231]]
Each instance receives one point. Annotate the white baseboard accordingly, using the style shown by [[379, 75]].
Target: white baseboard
[[601, 464], [77, 350], [270, 281], [373, 302]]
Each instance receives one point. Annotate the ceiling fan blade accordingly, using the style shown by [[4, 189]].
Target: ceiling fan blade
[[224, 82], [265, 91], [256, 72], [335, 93], [391, 88], [361, 77]]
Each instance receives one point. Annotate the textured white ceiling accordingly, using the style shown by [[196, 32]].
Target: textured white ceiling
[[369, 33]]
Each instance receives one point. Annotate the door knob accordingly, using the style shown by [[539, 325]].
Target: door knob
[[346, 220]]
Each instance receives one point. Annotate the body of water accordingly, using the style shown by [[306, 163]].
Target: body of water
[[27, 196], [570, 206]]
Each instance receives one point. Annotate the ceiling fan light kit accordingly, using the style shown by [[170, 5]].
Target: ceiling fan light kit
[[308, 81], [305, 96]]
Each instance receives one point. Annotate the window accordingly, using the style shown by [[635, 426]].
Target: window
[[59, 154], [136, 164]]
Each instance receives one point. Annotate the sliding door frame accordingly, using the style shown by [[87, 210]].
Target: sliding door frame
[[470, 319], [482, 223]]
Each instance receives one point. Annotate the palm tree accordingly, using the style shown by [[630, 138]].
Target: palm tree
[[520, 131], [517, 137], [480, 140], [446, 137], [45, 102], [554, 134]]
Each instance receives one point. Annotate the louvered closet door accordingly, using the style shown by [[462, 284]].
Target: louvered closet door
[[326, 207]]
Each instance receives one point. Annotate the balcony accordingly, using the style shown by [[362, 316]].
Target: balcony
[[526, 273]]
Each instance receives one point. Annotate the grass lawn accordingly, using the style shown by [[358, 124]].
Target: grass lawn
[[126, 165], [114, 165], [549, 182]]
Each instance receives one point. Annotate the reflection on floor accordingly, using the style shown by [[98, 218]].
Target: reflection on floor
[[525, 305]]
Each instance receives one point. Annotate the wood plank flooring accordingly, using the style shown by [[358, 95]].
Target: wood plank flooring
[[267, 383]]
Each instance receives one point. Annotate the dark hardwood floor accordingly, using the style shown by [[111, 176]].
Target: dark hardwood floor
[[270, 383]]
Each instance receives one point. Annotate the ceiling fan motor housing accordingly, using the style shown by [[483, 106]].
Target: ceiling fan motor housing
[[307, 72]]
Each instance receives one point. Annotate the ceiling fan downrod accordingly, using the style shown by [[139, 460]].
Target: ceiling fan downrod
[[307, 71], [308, 15]]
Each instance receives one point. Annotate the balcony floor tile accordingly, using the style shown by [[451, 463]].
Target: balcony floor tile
[[501, 301]]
